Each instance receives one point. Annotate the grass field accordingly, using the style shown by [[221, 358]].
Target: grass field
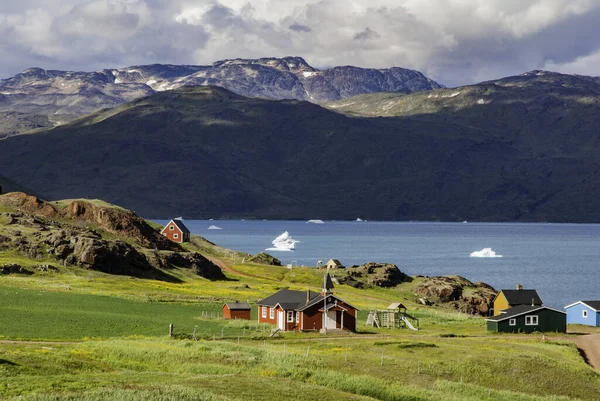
[[103, 337]]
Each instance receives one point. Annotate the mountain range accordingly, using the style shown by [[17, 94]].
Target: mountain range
[[522, 148], [37, 98]]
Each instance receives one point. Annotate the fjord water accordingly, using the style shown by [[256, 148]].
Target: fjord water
[[561, 261]]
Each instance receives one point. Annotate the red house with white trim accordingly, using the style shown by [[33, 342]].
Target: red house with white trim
[[176, 231], [293, 310]]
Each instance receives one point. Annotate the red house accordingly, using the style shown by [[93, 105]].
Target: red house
[[176, 231], [306, 311], [237, 310]]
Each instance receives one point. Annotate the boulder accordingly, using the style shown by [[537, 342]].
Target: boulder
[[264, 258], [376, 274], [198, 263], [14, 269], [468, 297]]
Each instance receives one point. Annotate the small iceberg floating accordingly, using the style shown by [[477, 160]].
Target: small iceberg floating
[[316, 221], [359, 219], [178, 218], [214, 228], [284, 242], [485, 253]]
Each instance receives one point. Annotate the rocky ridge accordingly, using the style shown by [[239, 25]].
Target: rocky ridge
[[42, 98], [74, 233]]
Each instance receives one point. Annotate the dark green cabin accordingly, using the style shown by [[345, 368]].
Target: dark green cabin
[[527, 319]]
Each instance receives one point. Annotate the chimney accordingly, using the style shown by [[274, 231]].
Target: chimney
[[307, 296], [532, 302], [519, 287]]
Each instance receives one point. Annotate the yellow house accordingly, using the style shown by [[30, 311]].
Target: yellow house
[[506, 299]]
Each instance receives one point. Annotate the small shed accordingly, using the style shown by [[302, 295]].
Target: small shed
[[237, 310], [584, 312], [334, 264], [176, 231], [527, 319]]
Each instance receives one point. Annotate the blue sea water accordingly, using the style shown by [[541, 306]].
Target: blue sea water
[[560, 261]]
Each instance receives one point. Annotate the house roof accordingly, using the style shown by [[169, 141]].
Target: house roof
[[287, 298], [521, 297], [238, 306], [396, 305], [181, 226], [319, 299], [520, 310], [595, 305], [335, 262]]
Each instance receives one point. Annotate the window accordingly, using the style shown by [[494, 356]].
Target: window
[[264, 311], [271, 313], [512, 322], [290, 316], [171, 228], [297, 317], [531, 320], [584, 313], [175, 236]]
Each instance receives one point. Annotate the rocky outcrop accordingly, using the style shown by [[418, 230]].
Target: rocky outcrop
[[264, 258], [75, 234], [29, 204], [14, 269], [119, 221], [197, 263], [468, 297], [373, 274], [113, 219]]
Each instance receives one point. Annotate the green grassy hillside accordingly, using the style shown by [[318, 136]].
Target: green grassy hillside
[[75, 333]]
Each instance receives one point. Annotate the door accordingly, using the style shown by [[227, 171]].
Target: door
[[281, 320], [330, 320]]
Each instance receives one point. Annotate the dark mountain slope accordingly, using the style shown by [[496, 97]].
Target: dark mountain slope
[[205, 152]]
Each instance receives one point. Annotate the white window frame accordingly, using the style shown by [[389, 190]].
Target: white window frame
[[264, 312], [512, 322], [176, 236], [297, 317], [271, 313], [171, 228], [290, 316], [531, 320], [584, 313]]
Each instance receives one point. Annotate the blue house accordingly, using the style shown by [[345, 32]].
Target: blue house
[[584, 312]]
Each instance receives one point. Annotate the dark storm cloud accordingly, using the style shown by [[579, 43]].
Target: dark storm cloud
[[300, 28], [366, 35], [454, 42]]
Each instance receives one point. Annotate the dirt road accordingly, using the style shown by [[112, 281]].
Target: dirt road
[[590, 345]]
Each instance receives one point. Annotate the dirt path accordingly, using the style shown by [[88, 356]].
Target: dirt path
[[226, 268], [590, 345]]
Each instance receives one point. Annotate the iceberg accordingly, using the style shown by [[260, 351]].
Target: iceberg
[[485, 253], [214, 228], [359, 219], [284, 242], [316, 221]]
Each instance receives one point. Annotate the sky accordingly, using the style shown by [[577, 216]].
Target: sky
[[455, 42]]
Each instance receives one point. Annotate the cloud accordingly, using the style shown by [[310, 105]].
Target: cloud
[[366, 34], [300, 28], [454, 41]]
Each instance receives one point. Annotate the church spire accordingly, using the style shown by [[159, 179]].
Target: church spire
[[327, 284]]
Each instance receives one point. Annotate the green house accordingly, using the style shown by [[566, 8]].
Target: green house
[[527, 319]]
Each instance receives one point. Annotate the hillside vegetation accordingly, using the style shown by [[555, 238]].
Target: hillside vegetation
[[104, 336], [500, 151]]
